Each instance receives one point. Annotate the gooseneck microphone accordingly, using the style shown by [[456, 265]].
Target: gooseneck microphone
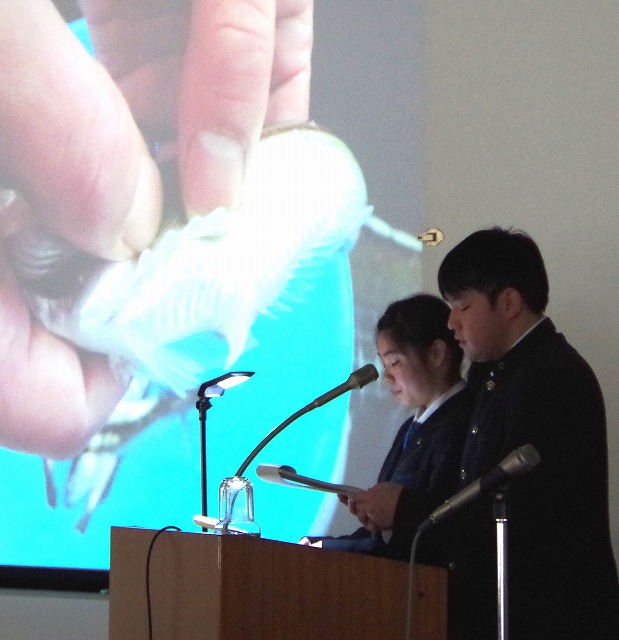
[[517, 463], [356, 380]]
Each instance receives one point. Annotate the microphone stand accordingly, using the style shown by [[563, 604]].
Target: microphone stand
[[500, 507], [263, 443], [357, 380]]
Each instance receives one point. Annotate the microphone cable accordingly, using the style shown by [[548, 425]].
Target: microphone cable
[[148, 556], [411, 587]]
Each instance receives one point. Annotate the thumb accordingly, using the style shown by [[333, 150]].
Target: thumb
[[68, 142]]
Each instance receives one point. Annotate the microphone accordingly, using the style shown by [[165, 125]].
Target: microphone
[[356, 380], [517, 463]]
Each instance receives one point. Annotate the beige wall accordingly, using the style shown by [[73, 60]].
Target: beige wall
[[522, 129]]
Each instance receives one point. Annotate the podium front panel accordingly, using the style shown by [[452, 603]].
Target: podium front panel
[[207, 587]]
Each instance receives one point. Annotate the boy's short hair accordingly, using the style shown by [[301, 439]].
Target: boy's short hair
[[491, 260]]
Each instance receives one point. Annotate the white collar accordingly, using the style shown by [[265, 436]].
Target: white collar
[[423, 414], [527, 332]]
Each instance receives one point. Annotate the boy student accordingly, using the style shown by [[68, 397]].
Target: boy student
[[532, 387]]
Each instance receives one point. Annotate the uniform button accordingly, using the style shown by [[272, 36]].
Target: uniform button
[[490, 385], [501, 365], [462, 474], [474, 429], [418, 441]]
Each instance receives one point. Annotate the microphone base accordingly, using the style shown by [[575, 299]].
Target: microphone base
[[236, 508]]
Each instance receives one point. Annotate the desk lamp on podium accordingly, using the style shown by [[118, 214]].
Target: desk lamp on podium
[[213, 389]]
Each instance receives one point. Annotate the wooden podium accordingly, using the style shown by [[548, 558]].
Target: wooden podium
[[207, 587]]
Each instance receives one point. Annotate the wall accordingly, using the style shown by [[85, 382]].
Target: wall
[[53, 616], [522, 130]]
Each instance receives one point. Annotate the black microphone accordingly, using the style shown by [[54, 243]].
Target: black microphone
[[356, 380], [517, 463]]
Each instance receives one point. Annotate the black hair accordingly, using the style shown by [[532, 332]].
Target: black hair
[[414, 323], [491, 260]]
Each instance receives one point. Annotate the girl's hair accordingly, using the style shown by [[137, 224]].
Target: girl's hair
[[414, 323]]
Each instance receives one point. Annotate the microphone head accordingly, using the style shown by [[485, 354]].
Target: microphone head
[[363, 376], [521, 460]]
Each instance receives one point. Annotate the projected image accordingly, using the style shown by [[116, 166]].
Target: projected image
[[288, 284]]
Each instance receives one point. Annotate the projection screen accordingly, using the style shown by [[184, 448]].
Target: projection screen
[[143, 468]]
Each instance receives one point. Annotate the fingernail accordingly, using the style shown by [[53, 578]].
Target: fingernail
[[142, 222], [213, 173]]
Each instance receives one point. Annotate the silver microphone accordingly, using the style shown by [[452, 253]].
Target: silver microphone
[[517, 463]]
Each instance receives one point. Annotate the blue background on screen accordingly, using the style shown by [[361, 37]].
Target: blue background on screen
[[300, 354]]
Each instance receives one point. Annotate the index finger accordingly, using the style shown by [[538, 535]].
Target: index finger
[[224, 97], [235, 61]]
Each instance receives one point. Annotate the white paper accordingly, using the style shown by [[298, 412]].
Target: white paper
[[287, 476]]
